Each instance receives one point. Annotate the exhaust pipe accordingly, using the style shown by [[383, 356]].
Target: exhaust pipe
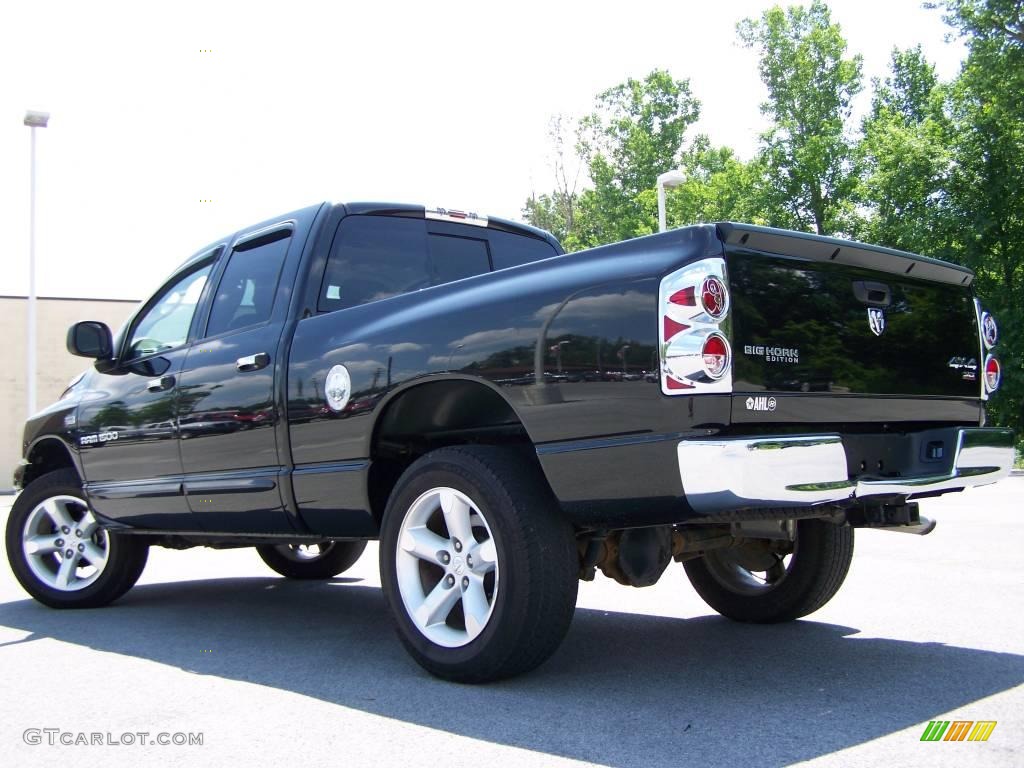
[[923, 527]]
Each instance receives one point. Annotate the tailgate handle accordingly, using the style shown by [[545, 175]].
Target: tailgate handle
[[872, 294]]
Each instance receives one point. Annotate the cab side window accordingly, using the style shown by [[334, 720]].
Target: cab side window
[[246, 292], [376, 257], [165, 324]]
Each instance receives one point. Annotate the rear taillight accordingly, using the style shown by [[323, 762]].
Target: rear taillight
[[714, 297], [991, 370], [716, 355], [993, 373], [695, 352], [989, 330]]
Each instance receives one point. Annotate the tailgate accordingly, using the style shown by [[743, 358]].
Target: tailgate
[[817, 315]]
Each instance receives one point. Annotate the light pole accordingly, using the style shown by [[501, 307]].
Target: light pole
[[622, 356], [33, 120], [456, 349], [557, 349], [666, 180]]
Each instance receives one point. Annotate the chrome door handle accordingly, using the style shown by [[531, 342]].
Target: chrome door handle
[[160, 385], [253, 362]]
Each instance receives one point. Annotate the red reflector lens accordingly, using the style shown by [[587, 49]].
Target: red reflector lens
[[683, 298], [676, 384], [716, 356], [672, 327], [993, 373]]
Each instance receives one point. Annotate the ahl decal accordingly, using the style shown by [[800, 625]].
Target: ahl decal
[[761, 403], [338, 388]]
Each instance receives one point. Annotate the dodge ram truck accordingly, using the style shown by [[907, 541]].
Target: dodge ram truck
[[507, 419]]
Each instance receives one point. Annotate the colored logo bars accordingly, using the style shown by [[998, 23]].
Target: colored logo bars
[[958, 730]]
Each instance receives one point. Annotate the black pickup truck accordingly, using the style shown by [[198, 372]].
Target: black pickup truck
[[507, 419]]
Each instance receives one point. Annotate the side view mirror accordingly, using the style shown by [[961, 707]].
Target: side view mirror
[[90, 339]]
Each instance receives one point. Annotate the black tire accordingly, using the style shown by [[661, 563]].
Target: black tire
[[536, 571], [125, 559], [336, 557], [820, 561]]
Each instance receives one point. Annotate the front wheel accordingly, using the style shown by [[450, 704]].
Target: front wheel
[[762, 583], [478, 566], [60, 554], [312, 561]]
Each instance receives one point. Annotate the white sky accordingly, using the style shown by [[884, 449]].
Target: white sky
[[441, 103]]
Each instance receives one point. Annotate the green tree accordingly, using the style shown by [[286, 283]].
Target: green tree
[[808, 152], [557, 211], [986, 186], [907, 92], [719, 187], [904, 160], [636, 131]]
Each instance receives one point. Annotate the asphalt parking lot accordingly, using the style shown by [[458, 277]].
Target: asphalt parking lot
[[276, 672]]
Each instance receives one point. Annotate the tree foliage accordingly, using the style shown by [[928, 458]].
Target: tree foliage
[[904, 159], [808, 150], [986, 182], [636, 130]]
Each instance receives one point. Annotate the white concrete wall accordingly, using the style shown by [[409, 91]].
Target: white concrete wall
[[55, 367]]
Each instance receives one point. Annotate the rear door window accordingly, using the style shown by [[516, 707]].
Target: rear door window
[[246, 292]]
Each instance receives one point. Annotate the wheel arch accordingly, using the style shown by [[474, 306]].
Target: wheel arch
[[47, 454], [433, 413]]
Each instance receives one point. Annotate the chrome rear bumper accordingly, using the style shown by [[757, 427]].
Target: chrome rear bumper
[[805, 470]]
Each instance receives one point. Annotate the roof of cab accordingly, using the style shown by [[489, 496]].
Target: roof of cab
[[408, 210], [405, 210]]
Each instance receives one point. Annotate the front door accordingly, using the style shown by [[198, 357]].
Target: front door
[[127, 423]]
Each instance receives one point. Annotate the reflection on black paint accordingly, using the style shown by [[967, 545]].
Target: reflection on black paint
[[811, 307]]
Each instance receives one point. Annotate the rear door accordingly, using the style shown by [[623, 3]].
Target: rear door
[[228, 412]]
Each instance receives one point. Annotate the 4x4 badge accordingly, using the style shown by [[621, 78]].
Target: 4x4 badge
[[876, 320]]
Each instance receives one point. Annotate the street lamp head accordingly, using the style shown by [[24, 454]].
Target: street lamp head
[[671, 179], [36, 119]]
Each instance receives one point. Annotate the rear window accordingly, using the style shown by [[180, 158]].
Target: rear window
[[376, 257], [453, 258], [508, 250]]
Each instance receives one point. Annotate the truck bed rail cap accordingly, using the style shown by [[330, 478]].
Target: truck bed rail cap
[[820, 248]]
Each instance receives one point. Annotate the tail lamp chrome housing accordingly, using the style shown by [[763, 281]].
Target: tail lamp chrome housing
[[694, 303]]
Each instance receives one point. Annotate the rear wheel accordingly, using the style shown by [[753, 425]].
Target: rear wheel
[[312, 561], [763, 583], [478, 566], [60, 554]]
